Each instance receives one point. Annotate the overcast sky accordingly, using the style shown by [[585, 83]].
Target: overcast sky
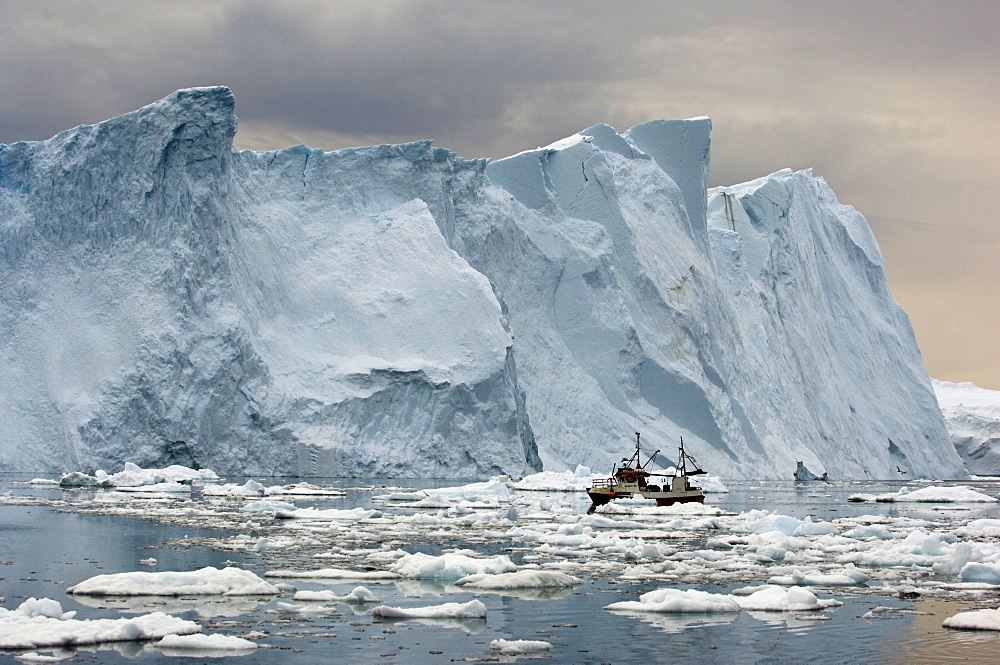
[[895, 104]]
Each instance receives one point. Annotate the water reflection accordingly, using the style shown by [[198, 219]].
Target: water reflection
[[672, 623], [926, 641], [204, 653], [470, 626], [203, 606]]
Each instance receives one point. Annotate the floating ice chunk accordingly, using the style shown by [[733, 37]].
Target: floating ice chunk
[[640, 506], [713, 485], [515, 647], [919, 548], [303, 609], [325, 596], [863, 531], [249, 488], [134, 476], [207, 581], [206, 643], [985, 619], [777, 599], [451, 566], [850, 577], [775, 522], [349, 514], [166, 487], [432, 503], [334, 574], [358, 595], [557, 481], [522, 579], [474, 609], [988, 528], [267, 506], [960, 556], [401, 496], [810, 528], [980, 572], [675, 600], [956, 494], [44, 607], [41, 625], [303, 489], [43, 481], [601, 522], [494, 489], [79, 479]]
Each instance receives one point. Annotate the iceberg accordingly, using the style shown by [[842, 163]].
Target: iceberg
[[399, 311], [972, 415]]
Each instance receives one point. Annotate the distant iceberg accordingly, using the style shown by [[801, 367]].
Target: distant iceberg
[[972, 415]]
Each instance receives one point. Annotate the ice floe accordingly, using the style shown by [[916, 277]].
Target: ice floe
[[955, 494], [202, 642], [334, 574], [451, 566], [677, 600], [522, 579], [517, 647], [347, 514], [359, 594], [206, 581], [985, 619], [42, 623], [474, 609]]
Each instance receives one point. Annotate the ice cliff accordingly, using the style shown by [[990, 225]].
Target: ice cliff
[[972, 415], [399, 311]]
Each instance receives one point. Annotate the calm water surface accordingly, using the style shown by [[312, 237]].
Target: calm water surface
[[43, 550]]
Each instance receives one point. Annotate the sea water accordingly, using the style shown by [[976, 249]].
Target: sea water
[[50, 545]]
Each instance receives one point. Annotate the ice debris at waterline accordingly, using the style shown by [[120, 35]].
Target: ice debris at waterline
[[400, 311], [559, 545], [440, 568], [943, 494]]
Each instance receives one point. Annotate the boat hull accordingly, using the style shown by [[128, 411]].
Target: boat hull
[[602, 496]]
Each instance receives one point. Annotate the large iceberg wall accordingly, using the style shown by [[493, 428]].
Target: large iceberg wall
[[764, 334], [396, 310], [168, 299]]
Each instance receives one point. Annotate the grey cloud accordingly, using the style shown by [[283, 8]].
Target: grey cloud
[[893, 103]]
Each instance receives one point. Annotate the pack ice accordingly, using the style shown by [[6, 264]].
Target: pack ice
[[400, 311]]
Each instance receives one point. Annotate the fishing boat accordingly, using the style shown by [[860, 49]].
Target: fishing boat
[[631, 479]]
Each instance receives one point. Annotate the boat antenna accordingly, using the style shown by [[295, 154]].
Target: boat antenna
[[636, 457], [682, 463]]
